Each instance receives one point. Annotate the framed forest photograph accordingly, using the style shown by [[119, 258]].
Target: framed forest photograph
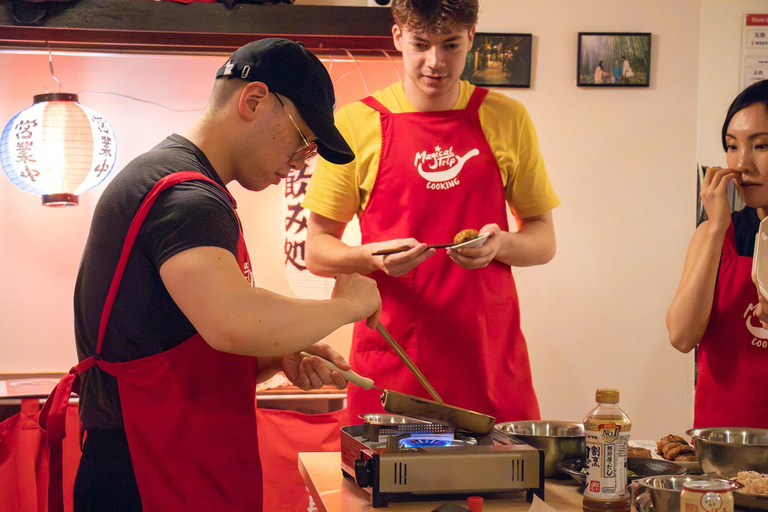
[[499, 60], [614, 59]]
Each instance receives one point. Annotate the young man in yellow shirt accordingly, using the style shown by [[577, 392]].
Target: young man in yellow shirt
[[436, 155]]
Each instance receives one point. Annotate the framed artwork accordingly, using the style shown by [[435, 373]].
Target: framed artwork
[[614, 59], [499, 60]]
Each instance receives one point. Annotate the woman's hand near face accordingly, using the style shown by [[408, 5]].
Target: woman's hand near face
[[714, 197]]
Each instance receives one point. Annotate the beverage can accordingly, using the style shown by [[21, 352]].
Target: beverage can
[[707, 496]]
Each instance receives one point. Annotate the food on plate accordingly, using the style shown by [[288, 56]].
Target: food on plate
[[637, 452], [675, 448], [753, 482], [465, 235]]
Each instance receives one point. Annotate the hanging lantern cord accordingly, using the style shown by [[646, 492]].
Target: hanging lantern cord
[[50, 66]]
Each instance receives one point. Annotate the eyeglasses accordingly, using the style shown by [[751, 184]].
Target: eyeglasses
[[310, 147]]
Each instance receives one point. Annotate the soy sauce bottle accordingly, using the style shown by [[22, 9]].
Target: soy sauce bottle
[[606, 428]]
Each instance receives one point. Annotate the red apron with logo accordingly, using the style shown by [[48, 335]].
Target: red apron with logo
[[732, 355], [189, 412], [461, 327]]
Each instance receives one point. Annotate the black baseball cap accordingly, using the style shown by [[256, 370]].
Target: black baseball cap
[[288, 68]]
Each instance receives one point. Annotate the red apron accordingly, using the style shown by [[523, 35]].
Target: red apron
[[732, 355], [461, 327], [189, 412]]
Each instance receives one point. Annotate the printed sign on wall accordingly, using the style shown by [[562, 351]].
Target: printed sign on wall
[[755, 49]]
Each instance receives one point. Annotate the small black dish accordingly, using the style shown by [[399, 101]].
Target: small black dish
[[639, 468]]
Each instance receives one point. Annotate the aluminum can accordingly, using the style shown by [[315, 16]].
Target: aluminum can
[[707, 496]]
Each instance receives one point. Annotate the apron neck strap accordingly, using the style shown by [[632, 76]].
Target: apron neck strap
[[478, 95], [133, 231]]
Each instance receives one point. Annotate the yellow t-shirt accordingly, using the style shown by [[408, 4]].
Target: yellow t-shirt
[[340, 192]]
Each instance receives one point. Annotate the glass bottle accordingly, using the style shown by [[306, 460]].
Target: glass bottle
[[606, 428]]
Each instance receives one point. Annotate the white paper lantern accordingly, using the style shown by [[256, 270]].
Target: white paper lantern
[[57, 149]]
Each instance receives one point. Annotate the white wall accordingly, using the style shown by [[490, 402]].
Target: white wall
[[720, 60], [622, 160]]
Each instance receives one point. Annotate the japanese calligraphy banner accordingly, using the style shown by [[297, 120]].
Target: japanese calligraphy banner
[[301, 281]]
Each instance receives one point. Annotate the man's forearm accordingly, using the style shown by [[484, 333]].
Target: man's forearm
[[533, 244], [327, 256]]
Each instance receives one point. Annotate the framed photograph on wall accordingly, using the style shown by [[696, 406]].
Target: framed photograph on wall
[[614, 59], [499, 60]]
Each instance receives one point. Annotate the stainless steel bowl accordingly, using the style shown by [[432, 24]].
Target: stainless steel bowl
[[727, 449], [560, 440], [665, 491]]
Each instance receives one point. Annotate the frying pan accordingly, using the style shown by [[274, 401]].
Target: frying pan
[[419, 408]]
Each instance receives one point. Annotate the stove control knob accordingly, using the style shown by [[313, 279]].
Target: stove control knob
[[363, 469]]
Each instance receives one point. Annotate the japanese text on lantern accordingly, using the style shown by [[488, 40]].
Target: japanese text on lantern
[[106, 145], [296, 217], [24, 149]]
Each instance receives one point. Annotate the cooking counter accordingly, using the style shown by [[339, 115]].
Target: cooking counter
[[333, 492], [14, 387]]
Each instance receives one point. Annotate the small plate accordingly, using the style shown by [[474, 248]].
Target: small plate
[[639, 466], [574, 468], [742, 499], [472, 244], [693, 467]]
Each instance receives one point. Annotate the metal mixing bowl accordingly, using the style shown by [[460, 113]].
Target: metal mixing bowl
[[665, 491], [727, 449], [560, 440]]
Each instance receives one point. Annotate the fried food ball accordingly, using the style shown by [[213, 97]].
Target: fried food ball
[[639, 453], [465, 235]]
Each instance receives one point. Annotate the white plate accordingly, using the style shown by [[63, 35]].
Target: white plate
[[472, 244], [693, 468]]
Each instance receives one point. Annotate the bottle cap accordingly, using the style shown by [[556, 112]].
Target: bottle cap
[[475, 504], [607, 396]]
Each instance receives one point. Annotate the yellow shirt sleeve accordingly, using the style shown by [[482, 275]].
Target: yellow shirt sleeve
[[340, 192], [512, 137]]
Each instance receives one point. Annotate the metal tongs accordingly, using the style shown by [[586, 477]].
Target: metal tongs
[[414, 407]]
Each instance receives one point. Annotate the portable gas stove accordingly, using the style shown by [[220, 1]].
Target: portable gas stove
[[427, 461]]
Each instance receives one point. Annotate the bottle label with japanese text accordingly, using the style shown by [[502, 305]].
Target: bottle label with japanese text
[[606, 460]]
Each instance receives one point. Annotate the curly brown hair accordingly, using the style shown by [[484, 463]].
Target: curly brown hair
[[435, 15]]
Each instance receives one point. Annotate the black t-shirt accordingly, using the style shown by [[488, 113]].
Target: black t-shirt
[[144, 319], [745, 226]]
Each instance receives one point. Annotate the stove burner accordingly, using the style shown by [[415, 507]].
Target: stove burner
[[421, 441]]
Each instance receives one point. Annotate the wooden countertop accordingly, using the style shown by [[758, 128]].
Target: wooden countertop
[[333, 492]]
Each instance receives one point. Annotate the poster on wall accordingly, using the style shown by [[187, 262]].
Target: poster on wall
[[614, 59], [499, 60], [754, 66]]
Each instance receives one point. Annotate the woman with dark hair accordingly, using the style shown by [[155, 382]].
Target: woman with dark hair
[[599, 73], [716, 305]]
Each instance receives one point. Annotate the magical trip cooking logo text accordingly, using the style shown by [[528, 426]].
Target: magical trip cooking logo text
[[759, 333], [442, 166]]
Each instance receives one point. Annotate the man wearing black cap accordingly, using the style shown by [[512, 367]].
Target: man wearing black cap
[[171, 334]]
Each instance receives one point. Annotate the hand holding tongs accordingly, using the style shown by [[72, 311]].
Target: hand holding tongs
[[354, 378], [366, 383]]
